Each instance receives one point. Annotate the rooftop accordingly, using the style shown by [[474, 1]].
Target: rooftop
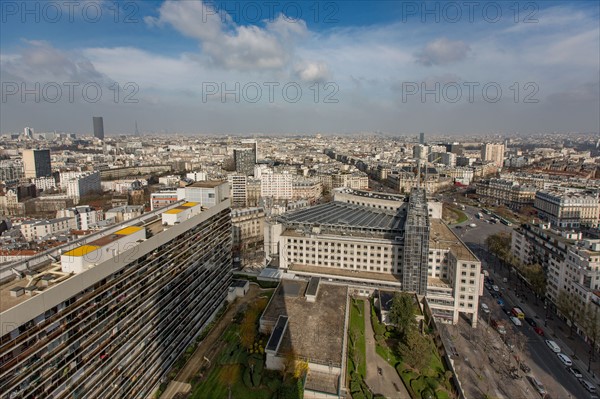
[[442, 237], [207, 184], [40, 264], [315, 330], [339, 214]]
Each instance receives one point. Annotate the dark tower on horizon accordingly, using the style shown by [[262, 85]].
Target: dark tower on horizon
[[421, 138], [137, 132], [98, 127]]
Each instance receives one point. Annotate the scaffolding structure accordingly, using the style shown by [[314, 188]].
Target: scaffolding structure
[[416, 243]]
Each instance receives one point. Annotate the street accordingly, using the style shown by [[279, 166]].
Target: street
[[544, 363]]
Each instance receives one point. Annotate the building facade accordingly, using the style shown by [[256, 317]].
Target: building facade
[[110, 319], [493, 153], [37, 163], [569, 208], [361, 239]]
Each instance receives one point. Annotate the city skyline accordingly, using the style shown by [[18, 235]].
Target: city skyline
[[382, 66]]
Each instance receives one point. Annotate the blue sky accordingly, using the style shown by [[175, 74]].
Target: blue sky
[[344, 66]]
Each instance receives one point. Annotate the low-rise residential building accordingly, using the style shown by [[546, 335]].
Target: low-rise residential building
[[248, 228], [85, 216], [506, 192], [124, 213], [40, 229], [569, 208]]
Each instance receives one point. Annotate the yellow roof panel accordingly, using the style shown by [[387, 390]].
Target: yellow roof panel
[[190, 204], [128, 230], [174, 211], [82, 250]]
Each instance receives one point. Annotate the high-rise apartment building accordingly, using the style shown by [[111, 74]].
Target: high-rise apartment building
[[98, 123], [493, 153], [37, 163], [108, 315], [244, 159]]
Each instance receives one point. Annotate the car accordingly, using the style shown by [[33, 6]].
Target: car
[[552, 345], [507, 312], [495, 288], [539, 387], [538, 331], [576, 372], [565, 359], [458, 227], [588, 385], [531, 322], [485, 308], [525, 368], [493, 294], [472, 225], [515, 321], [500, 301]]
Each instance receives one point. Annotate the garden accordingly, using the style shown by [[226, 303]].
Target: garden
[[238, 371]]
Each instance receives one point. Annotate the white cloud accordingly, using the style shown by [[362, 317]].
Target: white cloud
[[443, 51], [226, 44], [312, 71]]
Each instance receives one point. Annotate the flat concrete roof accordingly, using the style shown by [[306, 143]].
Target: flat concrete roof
[[440, 236], [315, 329]]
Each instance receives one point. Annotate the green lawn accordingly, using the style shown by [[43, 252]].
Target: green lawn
[[357, 324]]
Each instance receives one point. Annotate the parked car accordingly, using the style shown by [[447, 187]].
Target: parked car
[[516, 321], [588, 385], [538, 331], [539, 387], [576, 372], [500, 301], [485, 308], [525, 368], [531, 322], [495, 288], [565, 359], [552, 345]]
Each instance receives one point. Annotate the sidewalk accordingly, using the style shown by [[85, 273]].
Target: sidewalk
[[388, 382]]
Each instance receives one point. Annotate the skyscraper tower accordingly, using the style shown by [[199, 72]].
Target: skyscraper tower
[[98, 127], [137, 132], [421, 138]]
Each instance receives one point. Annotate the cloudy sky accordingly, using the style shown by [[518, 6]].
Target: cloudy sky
[[243, 67]]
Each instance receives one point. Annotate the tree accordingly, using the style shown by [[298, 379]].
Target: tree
[[416, 349], [499, 245], [591, 327], [566, 304], [537, 279], [402, 313]]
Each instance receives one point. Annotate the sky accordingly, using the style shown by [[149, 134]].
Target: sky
[[300, 67]]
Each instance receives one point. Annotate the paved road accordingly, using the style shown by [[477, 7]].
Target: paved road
[[544, 363], [388, 383]]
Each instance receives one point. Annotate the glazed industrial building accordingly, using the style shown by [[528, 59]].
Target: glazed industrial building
[[375, 240], [109, 315]]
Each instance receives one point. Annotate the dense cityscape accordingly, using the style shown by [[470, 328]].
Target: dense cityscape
[[351, 249]]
